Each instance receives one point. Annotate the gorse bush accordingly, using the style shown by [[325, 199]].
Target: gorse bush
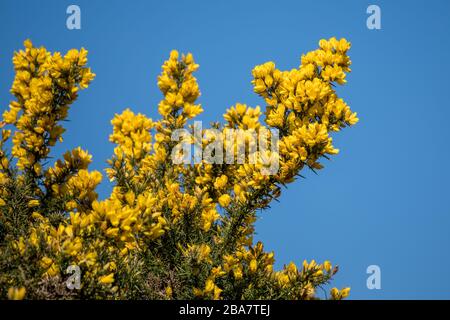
[[167, 231]]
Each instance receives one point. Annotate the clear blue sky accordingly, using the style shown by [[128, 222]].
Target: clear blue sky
[[383, 200]]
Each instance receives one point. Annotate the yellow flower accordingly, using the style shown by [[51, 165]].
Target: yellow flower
[[292, 268], [334, 293], [197, 292], [169, 292], [209, 217], [16, 293], [36, 215], [53, 270], [46, 262], [283, 279], [253, 265], [112, 232], [221, 182], [204, 251], [318, 273], [107, 279], [21, 245], [28, 44], [224, 200], [327, 266], [130, 197], [338, 295], [33, 203], [345, 292], [209, 285], [217, 292], [237, 272], [10, 116]]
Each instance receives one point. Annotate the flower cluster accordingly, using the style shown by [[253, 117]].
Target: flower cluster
[[167, 231], [45, 86], [303, 104]]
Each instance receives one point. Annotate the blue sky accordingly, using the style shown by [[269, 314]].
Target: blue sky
[[383, 200]]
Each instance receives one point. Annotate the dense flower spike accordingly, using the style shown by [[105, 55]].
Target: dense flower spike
[[45, 86], [168, 230]]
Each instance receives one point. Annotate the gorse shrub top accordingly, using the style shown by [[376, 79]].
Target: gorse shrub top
[[168, 230]]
